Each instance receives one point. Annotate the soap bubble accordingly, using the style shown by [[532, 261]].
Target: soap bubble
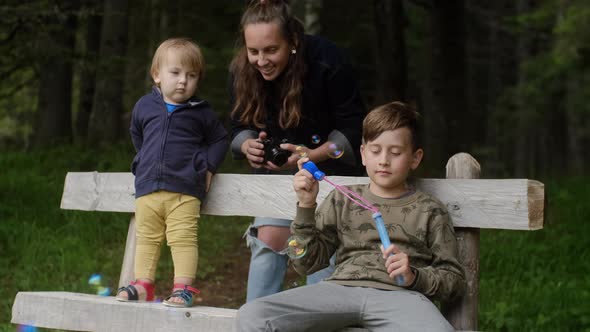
[[103, 291], [302, 151], [95, 281], [315, 139], [295, 249], [335, 151]]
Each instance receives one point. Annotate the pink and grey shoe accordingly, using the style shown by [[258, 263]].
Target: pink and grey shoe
[[185, 292], [133, 294]]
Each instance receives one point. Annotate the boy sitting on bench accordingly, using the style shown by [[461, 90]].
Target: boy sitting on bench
[[363, 290]]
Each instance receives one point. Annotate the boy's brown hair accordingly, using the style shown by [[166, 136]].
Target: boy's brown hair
[[392, 116], [189, 51]]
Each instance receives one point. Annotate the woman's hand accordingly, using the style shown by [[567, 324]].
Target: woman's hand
[[306, 187], [297, 152], [397, 263], [253, 149], [316, 155]]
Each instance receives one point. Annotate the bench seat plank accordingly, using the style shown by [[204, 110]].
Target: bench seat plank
[[86, 312], [478, 203]]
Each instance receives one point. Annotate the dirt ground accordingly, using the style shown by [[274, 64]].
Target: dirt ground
[[227, 289]]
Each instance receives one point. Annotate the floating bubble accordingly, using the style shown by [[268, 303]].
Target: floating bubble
[[302, 151], [335, 151], [95, 281], [295, 249], [315, 139], [103, 291]]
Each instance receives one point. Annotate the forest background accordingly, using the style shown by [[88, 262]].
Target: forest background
[[507, 81]]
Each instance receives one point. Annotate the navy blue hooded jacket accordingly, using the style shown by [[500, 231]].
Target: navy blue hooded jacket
[[175, 150]]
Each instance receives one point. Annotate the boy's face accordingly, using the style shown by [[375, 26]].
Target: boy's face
[[177, 82], [389, 159]]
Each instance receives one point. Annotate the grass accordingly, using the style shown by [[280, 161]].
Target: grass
[[530, 281], [540, 280]]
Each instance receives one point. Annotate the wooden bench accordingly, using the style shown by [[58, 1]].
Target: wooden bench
[[473, 204]]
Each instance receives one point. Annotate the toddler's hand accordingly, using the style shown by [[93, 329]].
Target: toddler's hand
[[208, 181]]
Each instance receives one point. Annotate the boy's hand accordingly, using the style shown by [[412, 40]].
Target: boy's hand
[[208, 181], [306, 187], [398, 264]]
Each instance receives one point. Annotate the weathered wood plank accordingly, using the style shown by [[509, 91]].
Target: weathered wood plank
[[479, 203], [85, 312]]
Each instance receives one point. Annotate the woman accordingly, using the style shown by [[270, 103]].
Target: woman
[[291, 94]]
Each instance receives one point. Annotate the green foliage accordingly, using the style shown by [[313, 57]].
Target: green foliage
[[542, 116], [573, 35]]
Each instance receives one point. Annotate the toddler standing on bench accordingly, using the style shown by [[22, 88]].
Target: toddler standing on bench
[[180, 142]]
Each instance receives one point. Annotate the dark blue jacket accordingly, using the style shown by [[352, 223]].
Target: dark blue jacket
[[175, 150]]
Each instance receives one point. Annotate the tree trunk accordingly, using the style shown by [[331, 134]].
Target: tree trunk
[[577, 124], [575, 118], [106, 118], [88, 72], [391, 62], [447, 122], [479, 80], [312, 16], [53, 120], [523, 149], [501, 75]]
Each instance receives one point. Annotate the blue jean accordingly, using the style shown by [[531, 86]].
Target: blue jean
[[268, 267]]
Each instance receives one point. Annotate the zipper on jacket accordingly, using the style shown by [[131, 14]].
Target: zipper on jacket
[[162, 146]]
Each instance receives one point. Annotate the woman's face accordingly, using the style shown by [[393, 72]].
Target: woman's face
[[268, 50]]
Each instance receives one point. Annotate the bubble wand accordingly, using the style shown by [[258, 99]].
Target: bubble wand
[[377, 217]]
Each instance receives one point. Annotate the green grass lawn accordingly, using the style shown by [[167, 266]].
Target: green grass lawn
[[530, 281], [540, 280]]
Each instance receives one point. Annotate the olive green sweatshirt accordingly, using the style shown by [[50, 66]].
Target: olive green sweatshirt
[[417, 223]]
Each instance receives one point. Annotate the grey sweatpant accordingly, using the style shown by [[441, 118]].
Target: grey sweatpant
[[327, 306]]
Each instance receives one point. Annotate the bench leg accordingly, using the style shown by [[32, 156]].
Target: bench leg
[[463, 312], [128, 267]]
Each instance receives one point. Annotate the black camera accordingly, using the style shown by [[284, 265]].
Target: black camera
[[273, 151]]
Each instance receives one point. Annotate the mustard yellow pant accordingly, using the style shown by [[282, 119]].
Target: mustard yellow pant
[[173, 216]]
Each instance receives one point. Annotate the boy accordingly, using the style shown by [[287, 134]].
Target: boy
[[362, 291], [180, 143]]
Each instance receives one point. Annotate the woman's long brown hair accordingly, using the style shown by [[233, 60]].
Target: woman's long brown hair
[[251, 96]]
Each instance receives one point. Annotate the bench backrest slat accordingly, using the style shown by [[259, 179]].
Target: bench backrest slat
[[479, 203]]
